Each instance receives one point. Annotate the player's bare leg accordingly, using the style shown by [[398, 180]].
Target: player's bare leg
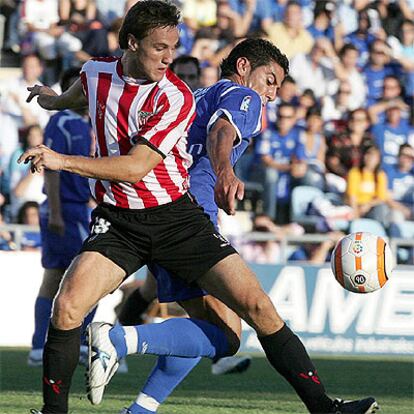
[[90, 277]]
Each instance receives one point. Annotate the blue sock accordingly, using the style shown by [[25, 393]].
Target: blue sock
[[182, 337], [168, 372], [88, 319], [43, 309]]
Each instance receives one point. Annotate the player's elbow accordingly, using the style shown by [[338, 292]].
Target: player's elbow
[[134, 175]]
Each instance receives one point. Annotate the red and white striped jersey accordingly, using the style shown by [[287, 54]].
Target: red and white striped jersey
[[122, 110]]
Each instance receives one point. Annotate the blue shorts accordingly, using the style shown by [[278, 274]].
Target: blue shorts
[[59, 251], [174, 289]]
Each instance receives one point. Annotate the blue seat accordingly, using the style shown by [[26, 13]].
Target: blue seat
[[368, 225], [302, 196]]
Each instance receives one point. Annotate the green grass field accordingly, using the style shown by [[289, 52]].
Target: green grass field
[[258, 391]]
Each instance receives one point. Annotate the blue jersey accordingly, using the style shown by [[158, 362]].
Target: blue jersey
[[69, 133], [375, 81], [389, 139], [243, 109], [401, 185]]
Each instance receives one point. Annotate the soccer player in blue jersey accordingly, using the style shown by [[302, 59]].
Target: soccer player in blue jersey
[[64, 216], [228, 115]]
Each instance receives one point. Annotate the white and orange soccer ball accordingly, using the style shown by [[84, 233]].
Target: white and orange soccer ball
[[362, 262]]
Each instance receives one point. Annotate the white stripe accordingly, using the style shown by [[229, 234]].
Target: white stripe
[[147, 402], [131, 339], [229, 90]]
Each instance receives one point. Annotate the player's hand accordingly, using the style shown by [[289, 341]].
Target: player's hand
[[43, 93], [228, 188], [42, 157], [56, 224]]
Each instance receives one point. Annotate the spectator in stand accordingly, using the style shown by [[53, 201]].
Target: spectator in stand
[[109, 10], [349, 71], [403, 51], [337, 107], [10, 10], [15, 113], [314, 146], [29, 215], [367, 191], [345, 148], [362, 37], [199, 13], [392, 133], [80, 12], [187, 68], [267, 252], [40, 19], [378, 67], [6, 238], [317, 253], [282, 154], [312, 72], [323, 17], [209, 76], [25, 186], [401, 185], [253, 14], [101, 42], [392, 94], [290, 35], [307, 100]]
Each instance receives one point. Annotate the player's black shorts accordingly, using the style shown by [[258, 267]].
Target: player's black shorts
[[178, 236]]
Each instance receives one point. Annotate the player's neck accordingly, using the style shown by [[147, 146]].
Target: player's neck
[[130, 68], [236, 78]]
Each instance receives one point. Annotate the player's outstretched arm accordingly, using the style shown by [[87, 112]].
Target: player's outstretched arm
[[47, 98], [129, 168], [220, 143]]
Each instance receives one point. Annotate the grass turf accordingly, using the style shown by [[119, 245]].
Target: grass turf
[[258, 391]]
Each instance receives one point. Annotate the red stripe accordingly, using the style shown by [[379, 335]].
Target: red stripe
[[165, 180], [99, 192], [124, 106], [140, 188], [182, 115], [102, 92]]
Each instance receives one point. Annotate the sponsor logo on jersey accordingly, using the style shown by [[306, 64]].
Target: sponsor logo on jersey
[[245, 103]]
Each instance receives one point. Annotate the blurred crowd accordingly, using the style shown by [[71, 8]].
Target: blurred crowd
[[336, 152]]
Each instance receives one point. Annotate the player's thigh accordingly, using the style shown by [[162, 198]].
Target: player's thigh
[[90, 277], [50, 282], [232, 281]]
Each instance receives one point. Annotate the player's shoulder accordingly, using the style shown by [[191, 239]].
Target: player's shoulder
[[174, 88], [98, 63]]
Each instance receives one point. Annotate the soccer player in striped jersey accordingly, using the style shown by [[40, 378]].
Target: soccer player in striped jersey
[[141, 113], [64, 216]]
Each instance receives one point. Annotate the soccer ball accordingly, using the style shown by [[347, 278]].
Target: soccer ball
[[362, 262]]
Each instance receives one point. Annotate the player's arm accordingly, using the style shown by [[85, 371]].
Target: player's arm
[[47, 98], [52, 187], [131, 168], [220, 142]]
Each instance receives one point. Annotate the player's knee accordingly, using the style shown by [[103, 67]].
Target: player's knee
[[258, 306], [66, 314]]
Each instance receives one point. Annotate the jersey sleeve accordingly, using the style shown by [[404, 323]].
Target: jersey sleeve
[[173, 116], [54, 137], [243, 108]]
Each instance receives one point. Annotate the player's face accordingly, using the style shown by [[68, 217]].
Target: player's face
[[266, 81], [155, 52]]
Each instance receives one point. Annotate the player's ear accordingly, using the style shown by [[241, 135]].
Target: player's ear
[[132, 42], [243, 66]]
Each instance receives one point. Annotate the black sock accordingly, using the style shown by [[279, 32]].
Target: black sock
[[60, 358], [288, 356], [133, 308]]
